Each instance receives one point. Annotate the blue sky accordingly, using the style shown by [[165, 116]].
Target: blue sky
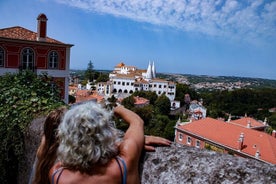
[[203, 37]]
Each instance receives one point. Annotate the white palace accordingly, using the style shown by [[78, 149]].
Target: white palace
[[124, 80]]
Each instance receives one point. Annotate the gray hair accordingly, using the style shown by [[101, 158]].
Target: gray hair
[[87, 137]]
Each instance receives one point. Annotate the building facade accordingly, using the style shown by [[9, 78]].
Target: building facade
[[22, 49], [128, 79]]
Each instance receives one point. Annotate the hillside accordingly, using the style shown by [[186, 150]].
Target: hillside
[[219, 82]]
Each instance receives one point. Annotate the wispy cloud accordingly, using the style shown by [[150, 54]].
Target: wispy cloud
[[252, 20]]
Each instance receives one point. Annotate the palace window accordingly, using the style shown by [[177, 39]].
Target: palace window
[[1, 57], [53, 60], [27, 61]]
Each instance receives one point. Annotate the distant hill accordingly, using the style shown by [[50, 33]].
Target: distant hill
[[203, 79], [221, 80]]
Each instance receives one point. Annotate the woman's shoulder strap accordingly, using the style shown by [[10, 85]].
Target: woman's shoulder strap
[[124, 174], [59, 172]]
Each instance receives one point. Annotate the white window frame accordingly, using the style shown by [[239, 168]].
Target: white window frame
[[27, 58], [197, 144], [180, 136], [53, 60], [189, 140]]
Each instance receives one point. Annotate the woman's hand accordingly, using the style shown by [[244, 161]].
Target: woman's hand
[[152, 141]]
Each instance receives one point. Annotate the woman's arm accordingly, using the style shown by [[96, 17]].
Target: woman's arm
[[133, 141]]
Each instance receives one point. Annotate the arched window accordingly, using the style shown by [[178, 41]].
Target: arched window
[[2, 54], [27, 61], [53, 60]]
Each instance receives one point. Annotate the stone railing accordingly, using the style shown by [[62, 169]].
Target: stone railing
[[175, 164]]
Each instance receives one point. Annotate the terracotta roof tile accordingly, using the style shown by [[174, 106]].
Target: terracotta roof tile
[[21, 33], [140, 100], [244, 121], [227, 134]]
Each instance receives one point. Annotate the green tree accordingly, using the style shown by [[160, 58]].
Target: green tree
[[128, 102], [89, 73], [181, 90], [23, 97], [103, 77], [146, 113], [161, 125], [163, 105]]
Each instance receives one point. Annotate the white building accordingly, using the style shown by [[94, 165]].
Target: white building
[[128, 79]]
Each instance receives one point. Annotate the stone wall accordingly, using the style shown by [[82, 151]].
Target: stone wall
[[175, 164], [184, 164]]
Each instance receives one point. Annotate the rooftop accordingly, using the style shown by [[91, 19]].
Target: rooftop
[[227, 135], [20, 33]]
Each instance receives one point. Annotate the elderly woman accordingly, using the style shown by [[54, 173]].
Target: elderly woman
[[91, 149]]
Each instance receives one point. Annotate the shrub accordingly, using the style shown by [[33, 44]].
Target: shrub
[[23, 97]]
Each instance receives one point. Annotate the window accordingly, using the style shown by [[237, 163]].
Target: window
[[123, 83], [198, 144], [27, 61], [53, 60], [180, 137], [189, 140], [114, 82], [160, 86], [1, 57]]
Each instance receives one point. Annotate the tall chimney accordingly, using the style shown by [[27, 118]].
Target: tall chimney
[[41, 27], [274, 133], [240, 141]]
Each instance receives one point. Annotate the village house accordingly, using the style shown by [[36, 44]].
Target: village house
[[228, 137], [22, 49]]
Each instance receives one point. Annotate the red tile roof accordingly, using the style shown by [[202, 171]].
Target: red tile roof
[[86, 95], [21, 33], [245, 120], [227, 135], [140, 100]]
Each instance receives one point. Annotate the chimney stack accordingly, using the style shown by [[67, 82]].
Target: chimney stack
[[41, 27], [248, 124], [240, 141], [229, 118], [274, 133], [257, 154]]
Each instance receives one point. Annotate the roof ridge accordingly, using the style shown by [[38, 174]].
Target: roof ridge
[[21, 33]]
